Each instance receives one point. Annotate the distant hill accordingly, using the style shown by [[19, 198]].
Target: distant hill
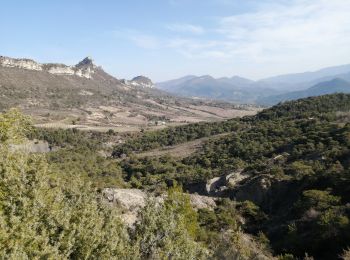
[[237, 80], [298, 78], [322, 88], [234, 89], [242, 90], [172, 85]]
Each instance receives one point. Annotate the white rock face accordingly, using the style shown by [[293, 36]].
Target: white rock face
[[61, 70], [221, 183], [202, 202], [129, 199], [83, 70], [86, 73], [35, 146], [20, 63]]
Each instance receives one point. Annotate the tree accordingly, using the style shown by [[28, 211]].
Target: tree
[[42, 216], [167, 229]]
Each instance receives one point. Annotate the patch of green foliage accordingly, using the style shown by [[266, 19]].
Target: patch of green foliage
[[174, 135], [77, 152], [302, 145], [45, 214]]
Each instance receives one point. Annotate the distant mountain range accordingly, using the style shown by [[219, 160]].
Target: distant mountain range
[[327, 87], [307, 78], [234, 89], [266, 91], [27, 83]]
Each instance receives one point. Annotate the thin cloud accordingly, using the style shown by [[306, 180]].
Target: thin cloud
[[140, 39], [292, 34], [287, 31], [145, 41], [186, 28]]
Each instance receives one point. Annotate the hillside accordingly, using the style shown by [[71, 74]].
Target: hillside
[[290, 161], [271, 185], [234, 89], [85, 96], [328, 87]]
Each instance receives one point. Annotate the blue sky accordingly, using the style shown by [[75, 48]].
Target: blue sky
[[166, 39]]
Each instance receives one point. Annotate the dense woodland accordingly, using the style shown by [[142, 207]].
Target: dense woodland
[[300, 148]]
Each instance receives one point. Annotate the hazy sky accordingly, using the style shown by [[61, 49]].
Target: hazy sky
[[165, 39]]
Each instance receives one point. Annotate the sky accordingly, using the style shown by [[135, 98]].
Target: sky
[[167, 39]]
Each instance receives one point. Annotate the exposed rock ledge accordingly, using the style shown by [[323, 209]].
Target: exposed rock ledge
[[132, 200], [83, 69], [218, 185]]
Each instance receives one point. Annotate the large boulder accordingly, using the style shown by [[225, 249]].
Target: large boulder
[[267, 191], [255, 189], [219, 185], [202, 202]]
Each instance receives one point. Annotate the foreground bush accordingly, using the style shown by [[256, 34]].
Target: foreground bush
[[46, 216]]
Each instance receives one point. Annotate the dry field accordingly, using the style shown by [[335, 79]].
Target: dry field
[[131, 119]]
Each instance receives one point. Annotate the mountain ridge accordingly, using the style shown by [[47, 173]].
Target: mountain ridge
[[243, 90], [327, 87], [84, 68]]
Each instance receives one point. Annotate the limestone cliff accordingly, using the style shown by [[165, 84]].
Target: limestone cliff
[[84, 69]]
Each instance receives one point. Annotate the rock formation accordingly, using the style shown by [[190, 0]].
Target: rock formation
[[139, 81], [83, 69]]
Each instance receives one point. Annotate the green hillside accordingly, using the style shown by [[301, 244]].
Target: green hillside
[[299, 149], [282, 188]]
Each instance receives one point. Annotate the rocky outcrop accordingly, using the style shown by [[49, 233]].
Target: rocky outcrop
[[202, 202], [83, 69], [218, 185], [20, 63], [33, 146], [59, 69], [264, 190], [129, 199], [132, 200], [256, 189], [139, 81]]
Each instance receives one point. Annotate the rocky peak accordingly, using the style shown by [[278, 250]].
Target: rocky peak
[[87, 62], [142, 81]]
